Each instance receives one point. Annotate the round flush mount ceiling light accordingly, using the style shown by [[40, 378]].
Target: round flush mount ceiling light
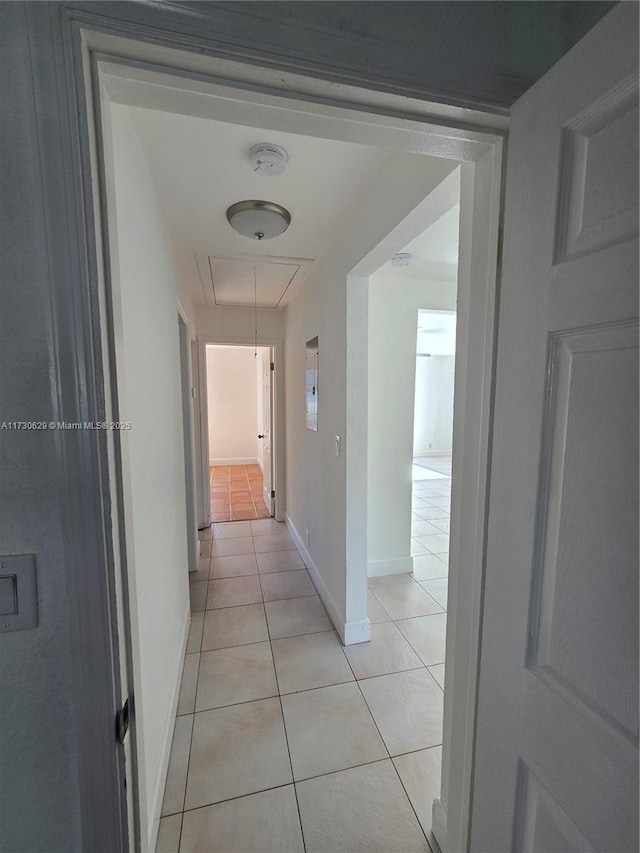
[[259, 220], [268, 159], [401, 259]]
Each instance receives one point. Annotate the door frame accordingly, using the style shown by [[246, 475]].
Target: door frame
[[278, 463], [186, 392], [80, 37]]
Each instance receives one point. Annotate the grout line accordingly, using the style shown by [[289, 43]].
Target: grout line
[[406, 793], [284, 724], [369, 710]]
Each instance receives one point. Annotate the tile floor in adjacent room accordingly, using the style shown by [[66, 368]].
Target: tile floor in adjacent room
[[285, 740], [236, 493]]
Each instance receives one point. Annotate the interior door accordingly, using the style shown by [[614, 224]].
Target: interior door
[[556, 764], [267, 423]]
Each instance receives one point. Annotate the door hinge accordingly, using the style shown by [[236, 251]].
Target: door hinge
[[273, 494], [122, 721], [273, 366]]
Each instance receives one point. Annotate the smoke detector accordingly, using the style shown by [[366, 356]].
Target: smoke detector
[[401, 259], [268, 159]]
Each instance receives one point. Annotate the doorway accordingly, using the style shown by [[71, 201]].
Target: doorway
[[433, 442], [342, 591], [239, 409]]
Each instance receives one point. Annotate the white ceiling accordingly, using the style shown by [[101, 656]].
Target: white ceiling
[[435, 251], [201, 166]]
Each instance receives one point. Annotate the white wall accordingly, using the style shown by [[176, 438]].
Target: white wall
[[433, 407], [146, 284], [393, 322], [232, 397], [316, 478]]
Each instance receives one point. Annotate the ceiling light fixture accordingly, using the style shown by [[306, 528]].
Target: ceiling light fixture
[[268, 159], [259, 220]]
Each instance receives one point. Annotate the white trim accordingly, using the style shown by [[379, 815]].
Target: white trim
[[398, 566], [161, 779], [350, 632], [234, 460], [278, 412], [398, 123]]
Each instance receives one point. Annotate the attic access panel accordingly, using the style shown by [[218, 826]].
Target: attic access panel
[[232, 280]]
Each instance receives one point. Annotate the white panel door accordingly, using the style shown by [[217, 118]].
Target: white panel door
[[556, 765], [267, 415]]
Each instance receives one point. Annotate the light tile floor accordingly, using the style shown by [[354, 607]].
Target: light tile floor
[[286, 741]]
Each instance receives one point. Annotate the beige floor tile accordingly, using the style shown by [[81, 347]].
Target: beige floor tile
[[404, 600], [427, 635], [267, 527], [443, 524], [296, 616], [169, 834], [236, 751], [375, 611], [187, 696], [234, 566], [279, 561], [437, 589], [267, 822], [231, 592], [234, 675], [205, 548], [423, 528], [231, 530], [417, 549], [231, 547], [407, 708], [437, 671], [234, 626], [388, 580], [313, 660], [436, 543], [205, 534], [427, 567], [198, 595], [430, 513], [440, 501], [279, 585], [273, 542], [387, 651], [194, 640], [330, 729], [202, 572], [361, 810], [420, 773], [173, 801]]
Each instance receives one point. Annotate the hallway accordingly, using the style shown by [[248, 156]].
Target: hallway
[[287, 741]]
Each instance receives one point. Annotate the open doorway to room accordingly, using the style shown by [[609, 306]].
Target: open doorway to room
[[240, 430], [412, 301], [433, 448]]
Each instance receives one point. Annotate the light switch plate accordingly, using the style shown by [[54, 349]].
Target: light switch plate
[[18, 592]]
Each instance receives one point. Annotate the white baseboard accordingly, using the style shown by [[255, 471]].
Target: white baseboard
[[398, 566], [161, 780], [234, 460], [350, 632]]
